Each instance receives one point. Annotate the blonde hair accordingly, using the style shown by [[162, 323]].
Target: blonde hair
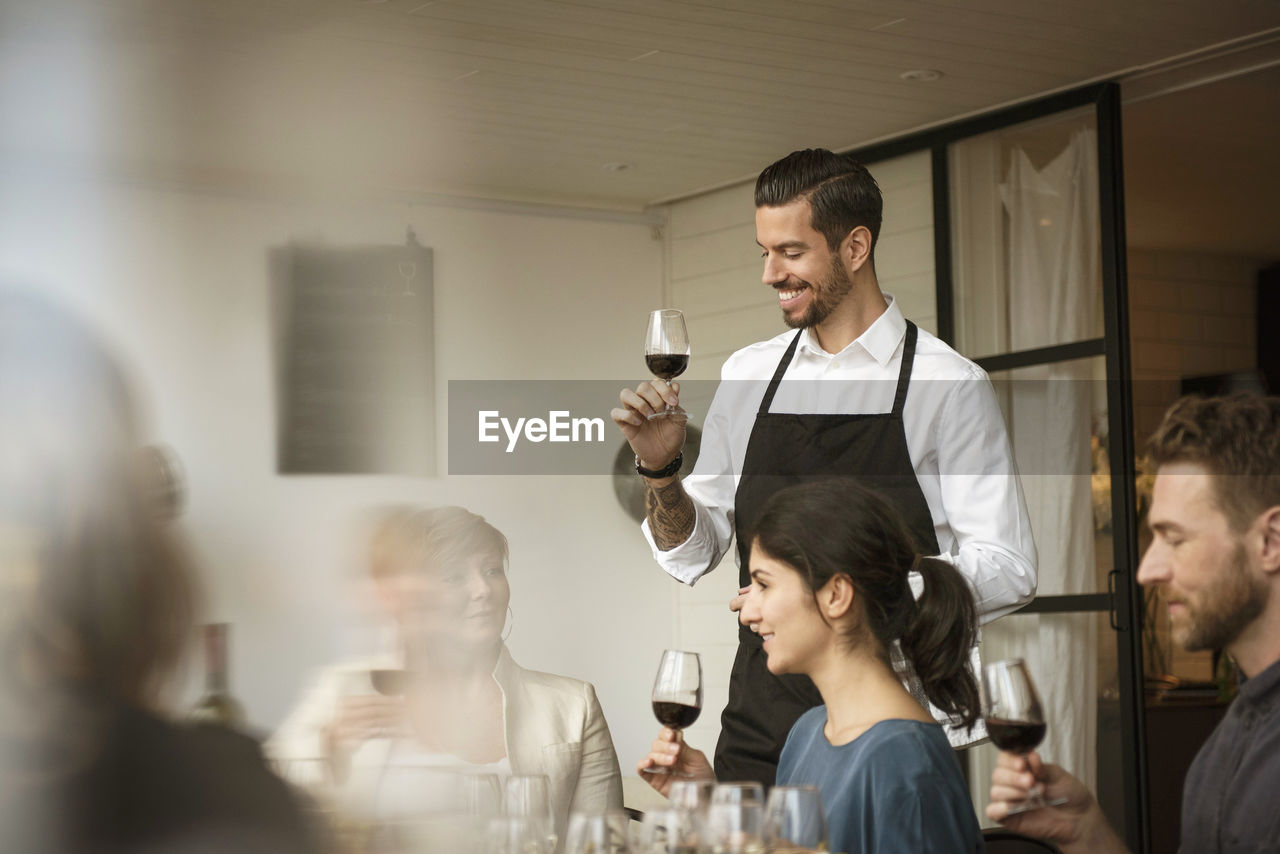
[[406, 538]]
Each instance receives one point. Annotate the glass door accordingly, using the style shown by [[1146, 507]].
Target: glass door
[[1028, 266]]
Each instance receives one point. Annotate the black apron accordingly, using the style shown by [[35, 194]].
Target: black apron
[[786, 449]]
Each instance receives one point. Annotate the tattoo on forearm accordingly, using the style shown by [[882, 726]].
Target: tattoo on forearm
[[671, 514]]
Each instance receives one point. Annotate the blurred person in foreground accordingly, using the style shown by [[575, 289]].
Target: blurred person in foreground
[[95, 615], [830, 598], [451, 697], [1215, 555]]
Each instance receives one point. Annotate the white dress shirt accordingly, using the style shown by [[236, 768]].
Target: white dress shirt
[[955, 436]]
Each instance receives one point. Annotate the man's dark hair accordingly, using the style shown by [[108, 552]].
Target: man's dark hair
[[1236, 438], [840, 191]]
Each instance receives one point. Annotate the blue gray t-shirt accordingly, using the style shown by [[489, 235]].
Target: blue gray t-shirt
[[895, 788]]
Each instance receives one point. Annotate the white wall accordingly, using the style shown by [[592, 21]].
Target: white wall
[[714, 270], [179, 282]]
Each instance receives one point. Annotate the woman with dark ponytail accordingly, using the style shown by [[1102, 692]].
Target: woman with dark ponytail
[[831, 597]]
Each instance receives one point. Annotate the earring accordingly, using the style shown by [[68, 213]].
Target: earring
[[511, 619]]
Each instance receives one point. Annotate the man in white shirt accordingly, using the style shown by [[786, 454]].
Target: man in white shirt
[[857, 392]]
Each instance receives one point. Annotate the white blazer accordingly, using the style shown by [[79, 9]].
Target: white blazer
[[553, 725]]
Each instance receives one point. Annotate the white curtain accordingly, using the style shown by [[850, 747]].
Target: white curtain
[[1037, 283]]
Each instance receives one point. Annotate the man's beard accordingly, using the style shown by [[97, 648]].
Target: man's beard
[[1230, 604], [825, 295]]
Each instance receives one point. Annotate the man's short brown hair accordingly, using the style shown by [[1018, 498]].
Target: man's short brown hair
[[1236, 438]]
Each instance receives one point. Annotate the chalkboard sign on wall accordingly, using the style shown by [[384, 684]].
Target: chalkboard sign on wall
[[355, 360]]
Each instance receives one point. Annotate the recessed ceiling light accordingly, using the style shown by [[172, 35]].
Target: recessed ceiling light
[[615, 167], [921, 75]]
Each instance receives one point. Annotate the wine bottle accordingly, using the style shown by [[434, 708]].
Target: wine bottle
[[217, 706]]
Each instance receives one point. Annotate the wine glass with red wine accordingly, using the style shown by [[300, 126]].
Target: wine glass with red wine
[[677, 692], [666, 352], [1014, 717]]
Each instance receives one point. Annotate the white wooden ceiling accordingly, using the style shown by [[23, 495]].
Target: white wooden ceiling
[[534, 99]]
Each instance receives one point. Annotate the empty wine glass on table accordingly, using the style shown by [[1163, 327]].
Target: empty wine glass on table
[[1014, 717], [735, 819], [668, 831], [794, 820], [515, 835], [677, 692], [603, 832], [691, 795], [528, 797], [666, 352]]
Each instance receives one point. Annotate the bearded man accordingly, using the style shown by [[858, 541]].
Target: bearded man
[[1215, 557]]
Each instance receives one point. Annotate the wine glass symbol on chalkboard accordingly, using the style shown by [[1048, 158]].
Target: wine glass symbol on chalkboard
[[408, 270]]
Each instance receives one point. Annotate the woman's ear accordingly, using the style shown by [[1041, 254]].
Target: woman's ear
[[837, 597]]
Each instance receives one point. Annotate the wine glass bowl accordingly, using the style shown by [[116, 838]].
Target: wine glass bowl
[[602, 832], [794, 820], [735, 819], [529, 797], [666, 352], [691, 795], [668, 831]]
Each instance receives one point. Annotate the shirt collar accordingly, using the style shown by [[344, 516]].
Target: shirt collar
[[880, 341], [1263, 686]]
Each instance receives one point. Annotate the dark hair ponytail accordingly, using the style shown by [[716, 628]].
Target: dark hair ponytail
[[837, 527], [939, 638]]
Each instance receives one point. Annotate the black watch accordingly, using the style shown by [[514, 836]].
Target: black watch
[[666, 471]]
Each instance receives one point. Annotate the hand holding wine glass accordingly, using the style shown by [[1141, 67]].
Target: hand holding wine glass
[[677, 702], [649, 415], [1015, 719], [677, 690]]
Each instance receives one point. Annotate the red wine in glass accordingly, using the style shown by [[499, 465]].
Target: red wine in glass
[[1015, 736], [1014, 717], [668, 366], [677, 692], [675, 715]]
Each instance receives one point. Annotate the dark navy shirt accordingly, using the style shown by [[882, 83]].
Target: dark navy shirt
[[895, 788], [1231, 801]]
